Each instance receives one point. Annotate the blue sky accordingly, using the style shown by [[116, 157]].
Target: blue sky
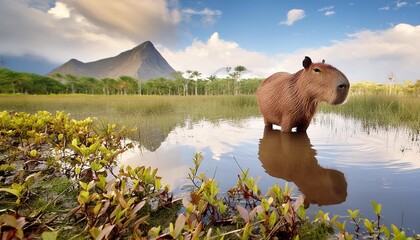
[[367, 40]]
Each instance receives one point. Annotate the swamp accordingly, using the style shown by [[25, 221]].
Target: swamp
[[353, 156]]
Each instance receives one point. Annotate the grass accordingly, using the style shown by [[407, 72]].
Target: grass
[[381, 110], [153, 116], [156, 116]]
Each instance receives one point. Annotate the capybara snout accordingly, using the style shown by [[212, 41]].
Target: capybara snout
[[290, 100]]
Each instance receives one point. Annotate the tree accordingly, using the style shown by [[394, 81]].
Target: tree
[[196, 76], [129, 85], [237, 75]]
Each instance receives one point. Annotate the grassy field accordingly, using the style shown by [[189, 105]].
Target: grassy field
[[381, 110], [153, 116], [158, 115]]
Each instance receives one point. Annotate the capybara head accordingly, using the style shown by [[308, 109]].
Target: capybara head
[[325, 82]]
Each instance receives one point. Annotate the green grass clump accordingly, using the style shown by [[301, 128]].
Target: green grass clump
[[381, 110]]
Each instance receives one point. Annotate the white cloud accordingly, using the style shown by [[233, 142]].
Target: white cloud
[[60, 10], [368, 55], [401, 4], [365, 55], [208, 15], [329, 8], [386, 8], [293, 16], [329, 13], [215, 53]]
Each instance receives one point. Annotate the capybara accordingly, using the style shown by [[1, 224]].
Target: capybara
[[292, 158], [290, 100]]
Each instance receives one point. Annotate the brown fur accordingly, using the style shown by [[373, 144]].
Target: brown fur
[[292, 158], [290, 100]]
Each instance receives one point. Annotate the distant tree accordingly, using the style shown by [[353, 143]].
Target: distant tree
[[129, 85], [108, 86], [71, 81], [237, 75], [180, 82], [196, 76]]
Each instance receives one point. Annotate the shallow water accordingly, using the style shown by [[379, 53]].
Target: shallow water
[[338, 164]]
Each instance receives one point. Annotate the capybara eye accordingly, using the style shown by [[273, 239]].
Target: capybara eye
[[317, 70]]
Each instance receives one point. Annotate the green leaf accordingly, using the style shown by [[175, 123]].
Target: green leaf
[[154, 232], [49, 235], [83, 197], [385, 230], [377, 208], [368, 225], [273, 218], [33, 153], [11, 191]]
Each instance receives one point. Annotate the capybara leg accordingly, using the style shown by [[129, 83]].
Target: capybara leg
[[302, 127], [268, 124], [286, 127]]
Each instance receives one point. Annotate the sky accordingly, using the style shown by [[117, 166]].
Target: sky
[[366, 40]]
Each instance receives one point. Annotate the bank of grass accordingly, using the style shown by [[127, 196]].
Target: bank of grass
[[381, 110], [127, 109], [163, 113], [153, 116]]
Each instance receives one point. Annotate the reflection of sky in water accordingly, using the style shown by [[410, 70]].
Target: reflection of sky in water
[[383, 166]]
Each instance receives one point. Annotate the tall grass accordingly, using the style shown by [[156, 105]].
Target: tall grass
[[381, 110], [153, 116]]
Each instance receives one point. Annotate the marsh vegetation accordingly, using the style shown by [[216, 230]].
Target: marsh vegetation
[[93, 144]]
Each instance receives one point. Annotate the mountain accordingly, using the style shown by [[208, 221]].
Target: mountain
[[143, 62]]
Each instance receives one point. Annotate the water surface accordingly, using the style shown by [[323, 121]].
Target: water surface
[[338, 164]]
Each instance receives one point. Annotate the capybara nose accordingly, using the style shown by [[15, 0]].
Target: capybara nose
[[342, 87]]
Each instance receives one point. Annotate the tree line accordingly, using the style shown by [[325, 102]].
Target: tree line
[[192, 84]]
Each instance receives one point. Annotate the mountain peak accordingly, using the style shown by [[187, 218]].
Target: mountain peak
[[143, 62]]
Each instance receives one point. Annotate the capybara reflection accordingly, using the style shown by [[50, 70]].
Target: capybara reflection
[[290, 100], [292, 158]]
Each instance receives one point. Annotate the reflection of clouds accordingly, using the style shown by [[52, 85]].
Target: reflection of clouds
[[340, 143], [170, 164], [219, 138], [345, 142]]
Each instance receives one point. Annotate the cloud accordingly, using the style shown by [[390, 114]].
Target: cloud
[[137, 20], [60, 10], [367, 55], [215, 53], [329, 8], [86, 30], [329, 13], [208, 15], [386, 8], [293, 16], [401, 4]]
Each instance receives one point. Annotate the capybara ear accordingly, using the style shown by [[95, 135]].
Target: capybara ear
[[307, 62]]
